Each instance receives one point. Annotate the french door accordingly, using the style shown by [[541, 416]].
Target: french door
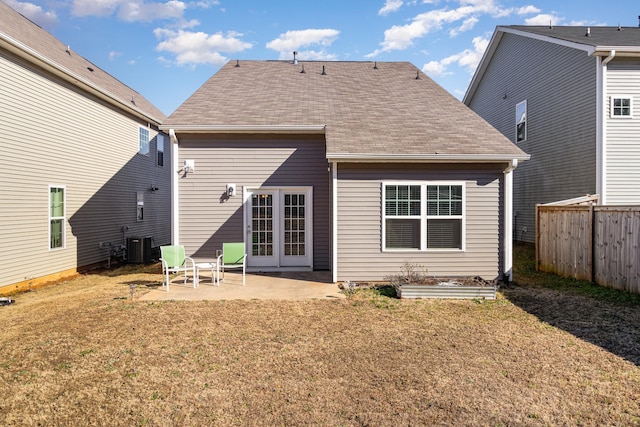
[[279, 227]]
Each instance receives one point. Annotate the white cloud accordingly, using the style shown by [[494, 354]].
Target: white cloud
[[468, 58], [192, 48], [400, 37], [543, 19], [527, 10], [130, 10], [467, 25], [35, 13], [114, 54], [294, 40], [390, 6], [291, 41]]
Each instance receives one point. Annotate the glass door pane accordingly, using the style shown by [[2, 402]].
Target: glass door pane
[[262, 225], [294, 225]]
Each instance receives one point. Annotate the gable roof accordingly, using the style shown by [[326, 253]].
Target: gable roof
[[366, 110], [27, 40], [594, 41]]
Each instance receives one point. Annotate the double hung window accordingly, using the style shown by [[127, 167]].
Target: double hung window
[[57, 217], [422, 216], [143, 141]]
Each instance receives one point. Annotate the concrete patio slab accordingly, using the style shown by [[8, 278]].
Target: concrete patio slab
[[278, 286]]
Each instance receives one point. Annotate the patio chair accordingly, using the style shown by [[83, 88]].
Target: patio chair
[[233, 256], [174, 261]]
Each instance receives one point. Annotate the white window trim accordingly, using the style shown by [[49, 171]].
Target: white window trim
[[424, 217], [160, 143], [63, 217], [148, 141], [612, 98], [526, 122]]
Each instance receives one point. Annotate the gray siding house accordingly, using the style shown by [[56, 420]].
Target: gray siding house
[[81, 153], [352, 167], [569, 97]]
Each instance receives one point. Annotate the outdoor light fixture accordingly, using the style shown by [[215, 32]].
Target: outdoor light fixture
[[231, 190], [189, 166]]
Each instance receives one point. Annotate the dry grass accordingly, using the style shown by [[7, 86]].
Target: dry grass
[[83, 353]]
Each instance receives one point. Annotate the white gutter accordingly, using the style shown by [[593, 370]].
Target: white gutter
[[287, 129], [334, 221], [601, 126], [175, 208], [508, 222], [458, 158], [34, 57]]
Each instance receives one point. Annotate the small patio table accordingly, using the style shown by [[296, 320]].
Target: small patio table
[[215, 271]]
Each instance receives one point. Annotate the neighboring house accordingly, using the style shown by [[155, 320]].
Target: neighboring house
[[569, 97], [353, 167], [81, 152]]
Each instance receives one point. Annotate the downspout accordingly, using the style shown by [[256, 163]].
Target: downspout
[[175, 211], [601, 129], [334, 221], [507, 274]]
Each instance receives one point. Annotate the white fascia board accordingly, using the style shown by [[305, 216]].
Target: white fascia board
[[626, 51], [279, 129], [574, 45], [32, 56], [422, 158]]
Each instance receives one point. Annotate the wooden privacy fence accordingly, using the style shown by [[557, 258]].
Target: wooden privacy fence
[[596, 243]]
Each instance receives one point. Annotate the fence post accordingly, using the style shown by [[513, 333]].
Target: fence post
[[537, 236], [592, 242]]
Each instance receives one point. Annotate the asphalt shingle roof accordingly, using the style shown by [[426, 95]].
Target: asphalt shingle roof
[[598, 36], [368, 108], [29, 34]]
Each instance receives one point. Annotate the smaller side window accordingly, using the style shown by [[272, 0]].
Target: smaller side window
[[140, 206], [621, 106], [160, 149], [143, 141], [57, 217], [521, 121]]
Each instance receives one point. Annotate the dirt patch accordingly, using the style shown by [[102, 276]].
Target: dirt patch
[[84, 352]]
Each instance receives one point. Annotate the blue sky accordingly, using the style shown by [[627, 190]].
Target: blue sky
[[167, 49]]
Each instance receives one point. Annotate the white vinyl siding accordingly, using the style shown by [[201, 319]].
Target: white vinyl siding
[[91, 148], [622, 174]]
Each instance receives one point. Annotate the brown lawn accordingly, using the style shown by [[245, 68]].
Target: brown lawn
[[81, 353]]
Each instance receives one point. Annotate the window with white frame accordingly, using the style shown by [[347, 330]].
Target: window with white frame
[[621, 106], [57, 217], [143, 141], [421, 216], [160, 149], [521, 121]]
